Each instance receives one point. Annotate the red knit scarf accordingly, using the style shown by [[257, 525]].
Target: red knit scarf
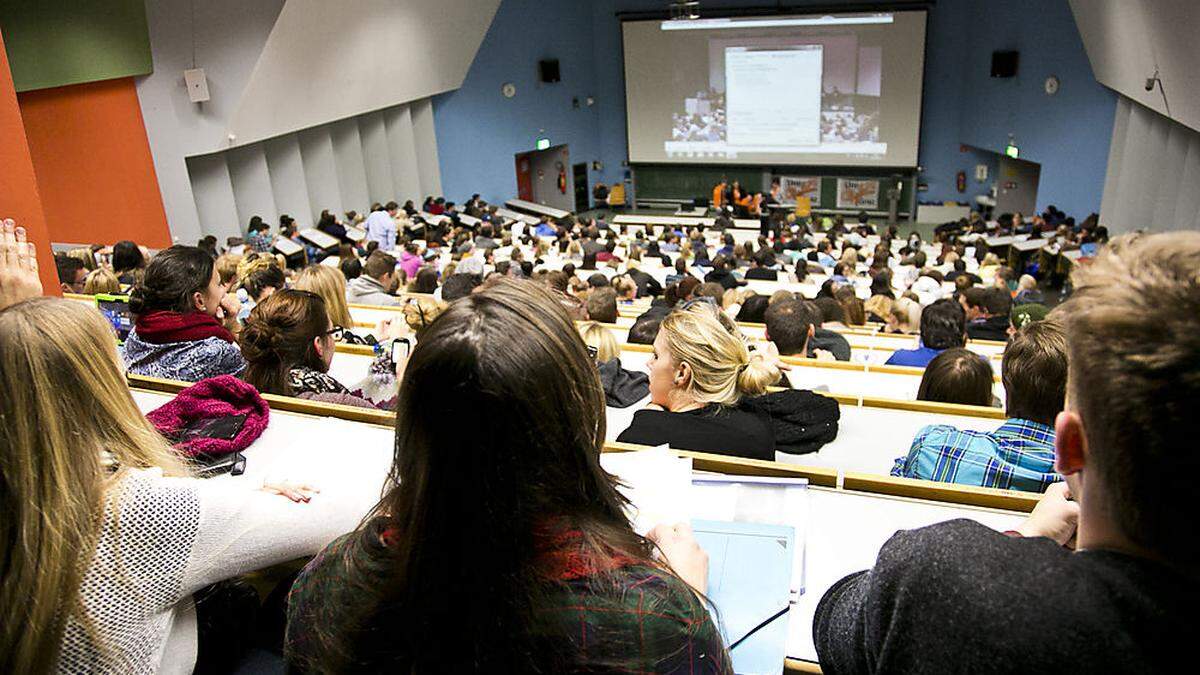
[[163, 327]]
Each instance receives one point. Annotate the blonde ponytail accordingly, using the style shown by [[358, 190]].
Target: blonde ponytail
[[756, 375], [723, 368]]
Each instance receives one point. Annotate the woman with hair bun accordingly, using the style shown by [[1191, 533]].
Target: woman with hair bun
[[289, 343], [699, 373]]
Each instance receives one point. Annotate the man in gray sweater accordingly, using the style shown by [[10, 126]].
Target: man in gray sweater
[[377, 283]]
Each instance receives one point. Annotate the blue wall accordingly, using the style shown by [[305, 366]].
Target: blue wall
[[479, 130], [1069, 133]]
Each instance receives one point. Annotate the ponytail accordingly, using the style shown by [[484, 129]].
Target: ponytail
[[756, 375]]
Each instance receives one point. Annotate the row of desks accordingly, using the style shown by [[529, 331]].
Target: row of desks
[[846, 525]]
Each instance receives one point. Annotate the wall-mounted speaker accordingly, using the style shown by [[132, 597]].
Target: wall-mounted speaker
[[548, 70], [197, 85], [1004, 64]]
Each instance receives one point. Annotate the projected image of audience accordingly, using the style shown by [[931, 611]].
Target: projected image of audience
[[703, 118], [849, 118]]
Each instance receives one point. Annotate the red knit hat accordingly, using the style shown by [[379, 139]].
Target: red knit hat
[[213, 398]]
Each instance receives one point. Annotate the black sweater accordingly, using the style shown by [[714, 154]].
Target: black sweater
[[714, 428], [958, 597]]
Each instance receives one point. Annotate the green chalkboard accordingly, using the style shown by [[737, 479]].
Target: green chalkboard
[[687, 182], [53, 43]]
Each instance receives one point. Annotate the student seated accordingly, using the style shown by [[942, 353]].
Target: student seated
[[943, 326], [107, 534], [128, 262], [573, 586], [987, 312], [699, 373], [72, 273], [258, 277], [762, 267], [1102, 576], [957, 376], [178, 330], [377, 284], [790, 326], [1020, 454], [289, 342], [722, 274], [329, 284], [101, 281], [602, 304], [825, 339]]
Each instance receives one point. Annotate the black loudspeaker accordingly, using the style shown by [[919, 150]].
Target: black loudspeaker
[[1004, 64], [548, 70]]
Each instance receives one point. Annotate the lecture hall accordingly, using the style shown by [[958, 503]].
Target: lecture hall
[[599, 336]]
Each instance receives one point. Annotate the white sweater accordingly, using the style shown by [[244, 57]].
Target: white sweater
[[168, 538]]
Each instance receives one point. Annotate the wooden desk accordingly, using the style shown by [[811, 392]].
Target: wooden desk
[[539, 209], [514, 215], [845, 528]]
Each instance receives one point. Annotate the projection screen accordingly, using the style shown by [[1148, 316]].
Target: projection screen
[[840, 90]]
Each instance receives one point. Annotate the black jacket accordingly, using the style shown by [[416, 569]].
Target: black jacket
[[762, 274], [648, 286], [802, 420], [991, 328], [830, 341], [723, 277]]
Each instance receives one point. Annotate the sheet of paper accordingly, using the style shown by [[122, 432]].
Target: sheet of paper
[[749, 577], [657, 482], [753, 499]]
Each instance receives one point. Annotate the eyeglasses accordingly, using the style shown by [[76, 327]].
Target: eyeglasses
[[337, 332]]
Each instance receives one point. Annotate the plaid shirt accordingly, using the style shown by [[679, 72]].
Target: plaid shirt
[[1017, 456], [260, 242], [632, 619]]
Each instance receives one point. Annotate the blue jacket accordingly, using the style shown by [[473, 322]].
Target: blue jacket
[[918, 358]]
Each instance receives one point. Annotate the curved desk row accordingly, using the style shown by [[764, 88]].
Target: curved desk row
[[847, 525]]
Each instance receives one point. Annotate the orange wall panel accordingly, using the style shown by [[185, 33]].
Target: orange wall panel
[[19, 197], [94, 169]]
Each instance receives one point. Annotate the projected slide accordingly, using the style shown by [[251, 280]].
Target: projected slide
[[804, 90]]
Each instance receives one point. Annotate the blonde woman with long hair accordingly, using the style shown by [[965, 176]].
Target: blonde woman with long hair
[[700, 371], [107, 534], [600, 338], [330, 284]]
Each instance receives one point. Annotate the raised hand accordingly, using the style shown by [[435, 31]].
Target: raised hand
[[18, 266]]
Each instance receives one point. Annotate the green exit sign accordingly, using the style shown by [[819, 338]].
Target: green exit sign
[[543, 143], [1011, 151]]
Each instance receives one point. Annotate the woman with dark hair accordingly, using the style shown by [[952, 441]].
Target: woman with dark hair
[[881, 284], [288, 343], [754, 309], [482, 559], [957, 376], [179, 309], [127, 259], [425, 281], [330, 226]]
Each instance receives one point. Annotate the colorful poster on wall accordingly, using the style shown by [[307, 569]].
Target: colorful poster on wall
[[793, 187], [857, 194]]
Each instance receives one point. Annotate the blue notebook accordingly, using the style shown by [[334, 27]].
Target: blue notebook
[[749, 582]]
